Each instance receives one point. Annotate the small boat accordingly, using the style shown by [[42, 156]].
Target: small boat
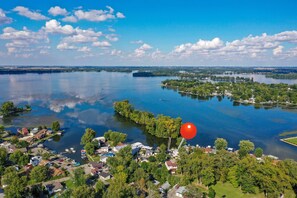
[[73, 151], [50, 139], [67, 150], [83, 151]]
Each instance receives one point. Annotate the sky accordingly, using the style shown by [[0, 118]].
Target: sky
[[148, 32]]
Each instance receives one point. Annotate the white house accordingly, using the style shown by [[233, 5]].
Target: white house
[[34, 131], [54, 188], [180, 191], [35, 160], [104, 176]]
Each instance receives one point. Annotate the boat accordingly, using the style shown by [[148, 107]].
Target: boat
[[67, 150], [74, 151], [50, 139]]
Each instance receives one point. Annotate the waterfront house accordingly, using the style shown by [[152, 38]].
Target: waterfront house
[[119, 147], [103, 159], [34, 131], [104, 176], [54, 188], [23, 131], [96, 165], [41, 134], [171, 166], [101, 140], [103, 149], [44, 163]]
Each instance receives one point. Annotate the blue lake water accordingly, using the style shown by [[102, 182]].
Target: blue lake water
[[85, 99]]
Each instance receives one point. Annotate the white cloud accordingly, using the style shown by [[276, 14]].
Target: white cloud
[[120, 15], [84, 49], [115, 52], [66, 46], [98, 15], [23, 41], [53, 26], [71, 19], [101, 44], [23, 11], [112, 37], [137, 42], [277, 51], [57, 10], [141, 51], [3, 18]]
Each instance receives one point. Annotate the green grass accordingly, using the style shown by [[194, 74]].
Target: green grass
[[286, 133], [291, 140], [229, 191], [69, 184]]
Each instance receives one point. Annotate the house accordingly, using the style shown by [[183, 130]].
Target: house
[[119, 147], [54, 187], [41, 134], [103, 149], [103, 159], [23, 131], [101, 140], [49, 132], [56, 172], [30, 140], [171, 166], [148, 153], [8, 146], [33, 131], [207, 150], [96, 165], [28, 167], [164, 187], [104, 176], [44, 163], [35, 160], [180, 191]]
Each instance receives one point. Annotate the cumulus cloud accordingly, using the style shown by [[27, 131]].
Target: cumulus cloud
[[66, 46], [53, 26], [277, 51], [3, 18], [22, 41], [84, 49], [57, 10], [71, 19], [98, 15], [23, 11], [101, 44], [142, 50]]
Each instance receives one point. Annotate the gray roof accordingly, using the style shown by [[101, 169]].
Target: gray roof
[[166, 185]]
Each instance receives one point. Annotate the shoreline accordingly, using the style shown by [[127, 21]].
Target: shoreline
[[285, 140]]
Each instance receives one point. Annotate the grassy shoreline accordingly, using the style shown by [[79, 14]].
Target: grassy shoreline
[[291, 140]]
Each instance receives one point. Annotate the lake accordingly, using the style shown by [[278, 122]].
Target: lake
[[85, 99]]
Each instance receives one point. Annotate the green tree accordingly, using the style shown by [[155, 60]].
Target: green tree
[[115, 137], [17, 189], [258, 152], [3, 156], [221, 144], [19, 158], [119, 188], [7, 108], [10, 174], [39, 174], [88, 136], [245, 146], [56, 126], [90, 148], [100, 188], [2, 128], [83, 192], [207, 176], [78, 177], [211, 193]]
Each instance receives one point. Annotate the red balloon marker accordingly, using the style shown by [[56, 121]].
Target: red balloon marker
[[188, 131]]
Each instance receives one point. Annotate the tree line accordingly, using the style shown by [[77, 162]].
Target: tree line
[[160, 126]]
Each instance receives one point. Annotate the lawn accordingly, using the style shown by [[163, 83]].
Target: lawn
[[291, 140], [69, 184], [229, 191]]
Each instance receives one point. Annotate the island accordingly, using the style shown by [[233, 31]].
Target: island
[[9, 109], [255, 93]]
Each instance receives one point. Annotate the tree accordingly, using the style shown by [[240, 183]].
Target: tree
[[7, 108], [17, 189], [90, 148], [245, 146], [115, 137], [258, 152], [88, 136], [100, 188], [221, 144], [10, 174], [118, 187], [3, 156], [78, 177], [56, 126], [207, 176], [2, 128], [39, 174], [83, 192], [19, 158], [211, 193]]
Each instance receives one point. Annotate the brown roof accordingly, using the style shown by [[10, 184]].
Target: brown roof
[[170, 163]]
